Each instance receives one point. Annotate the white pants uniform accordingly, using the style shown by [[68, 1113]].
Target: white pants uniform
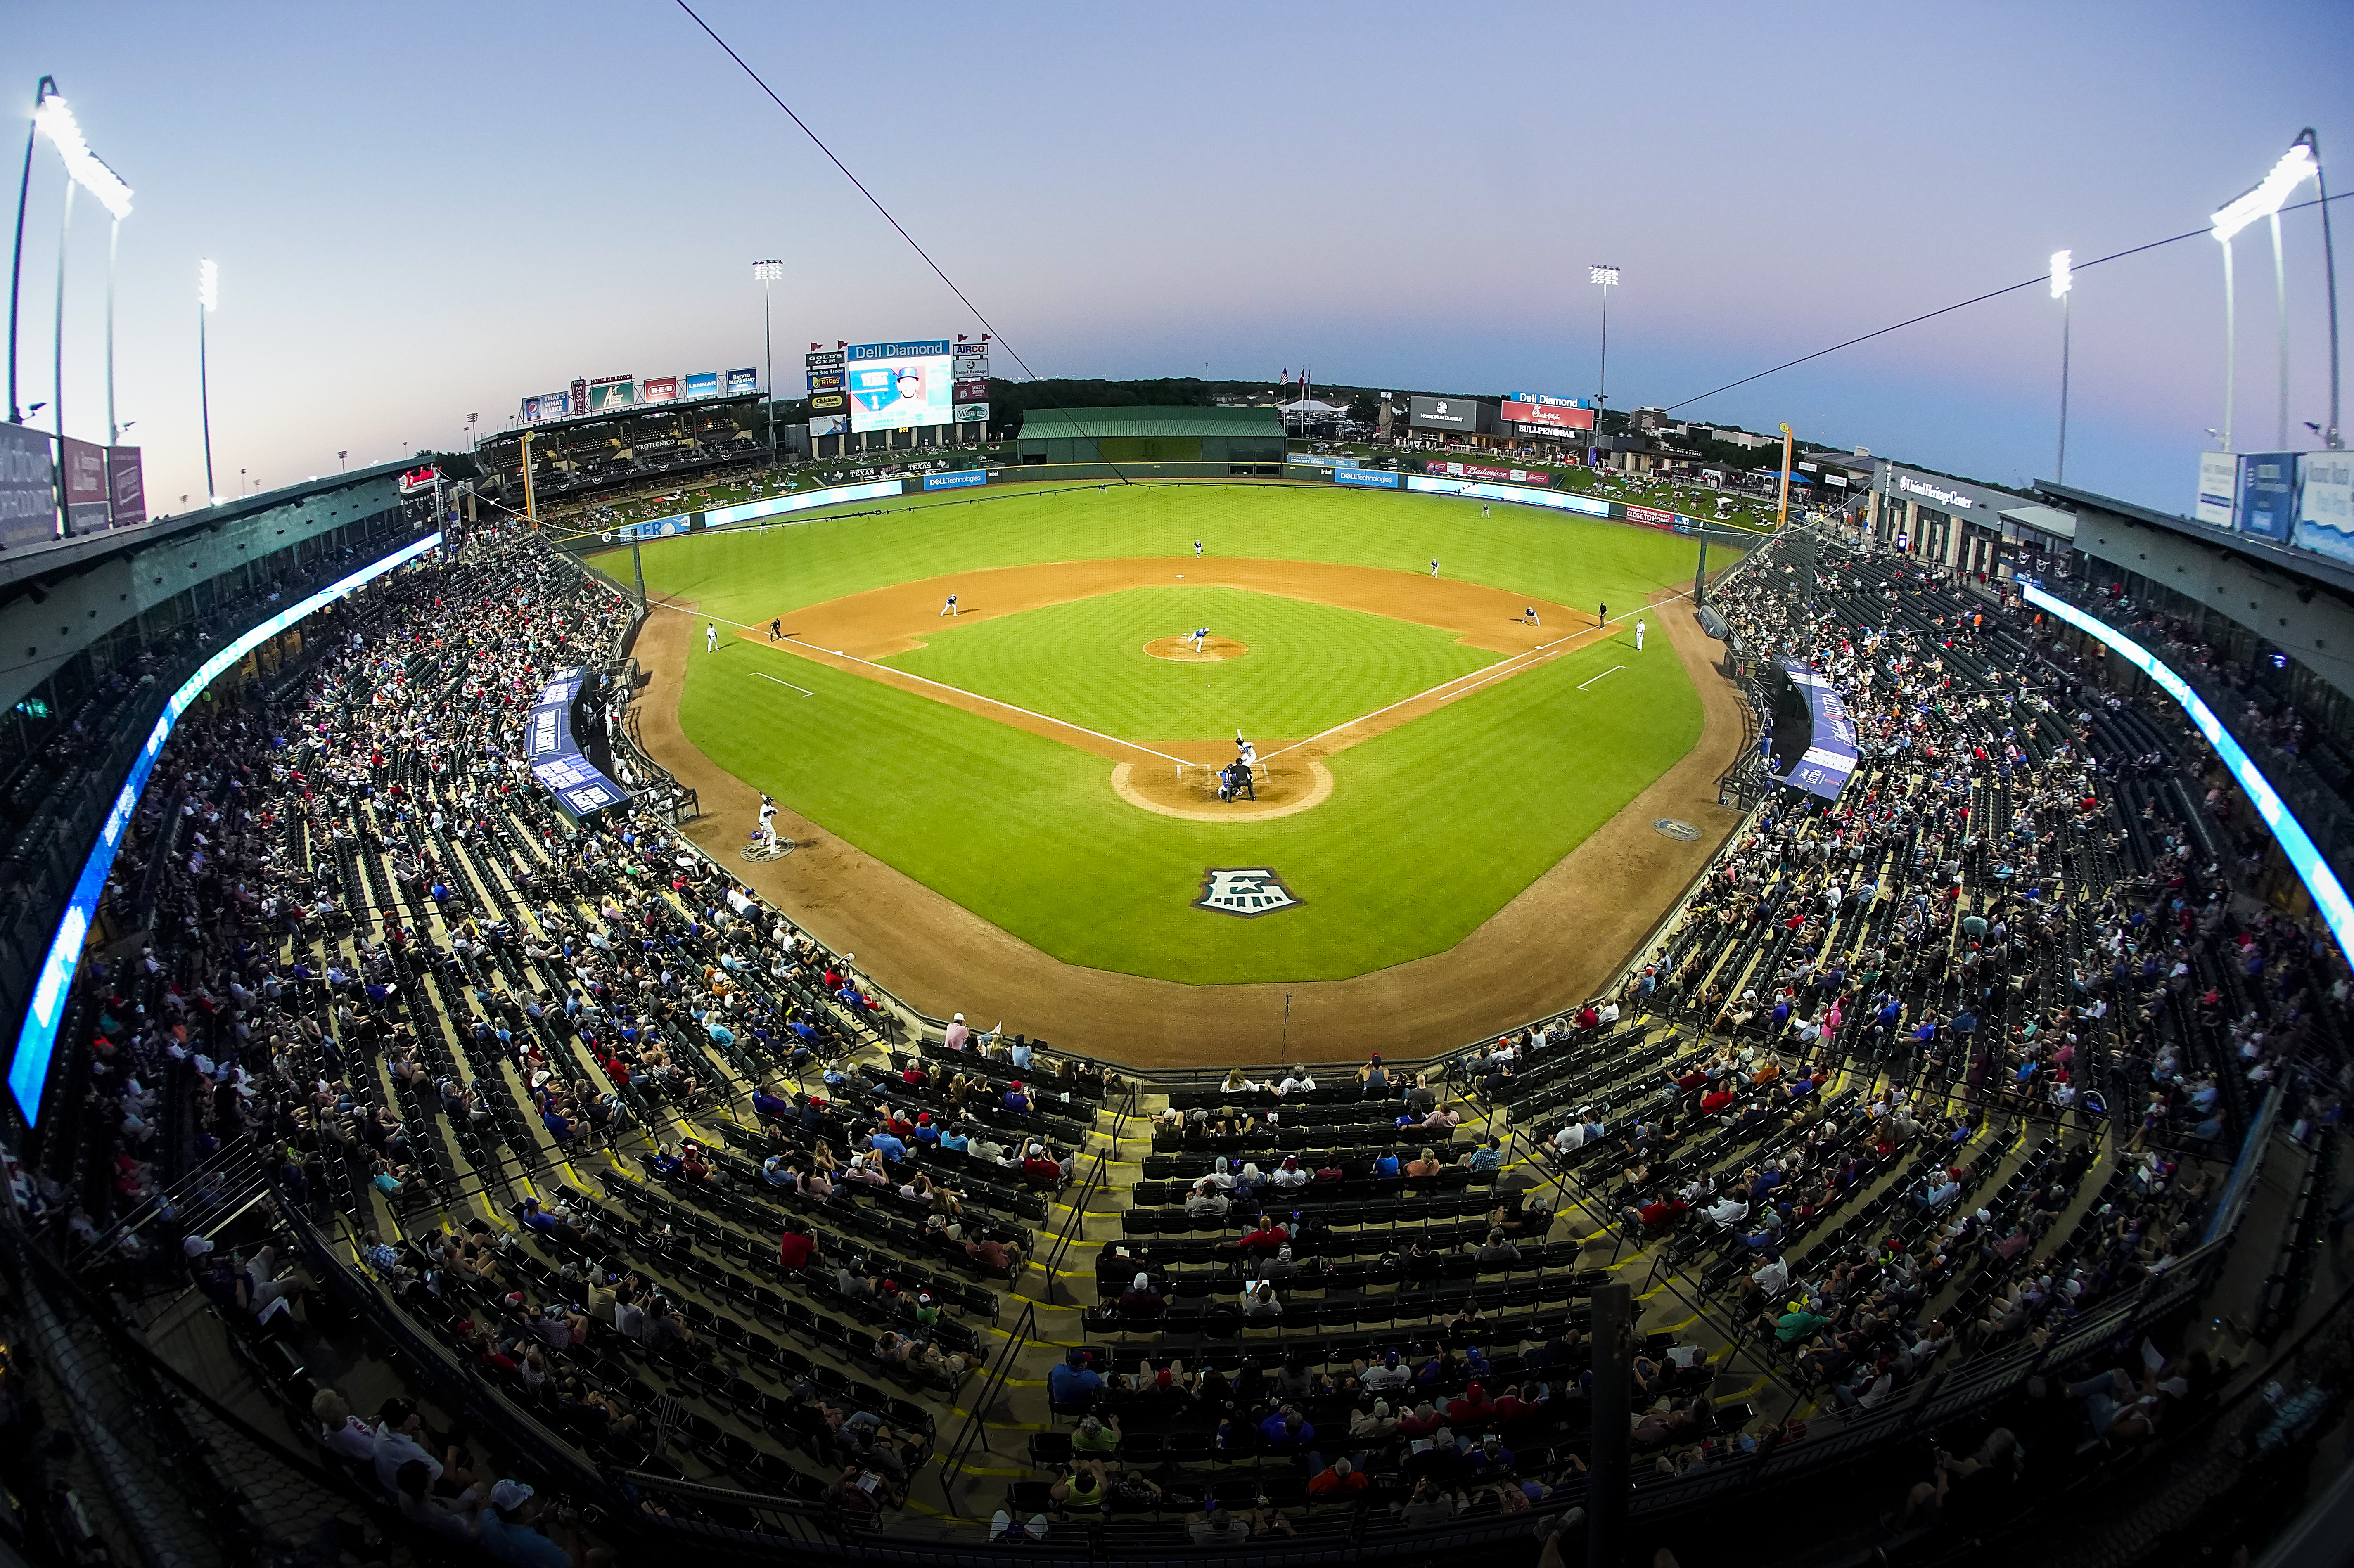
[[711, 639], [1638, 637]]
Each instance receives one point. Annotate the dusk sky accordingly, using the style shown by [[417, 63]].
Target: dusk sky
[[427, 210]]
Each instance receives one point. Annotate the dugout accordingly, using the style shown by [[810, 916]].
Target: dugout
[[1152, 434]]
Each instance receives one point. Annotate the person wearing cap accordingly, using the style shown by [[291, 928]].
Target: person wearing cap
[[1389, 1372], [957, 1035], [509, 1533], [1289, 1177], [1140, 1299], [1041, 1170], [1017, 1098]]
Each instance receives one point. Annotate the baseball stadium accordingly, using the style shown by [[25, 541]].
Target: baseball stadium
[[975, 968]]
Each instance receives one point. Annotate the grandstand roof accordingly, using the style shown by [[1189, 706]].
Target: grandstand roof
[[2281, 558], [1094, 424], [611, 416]]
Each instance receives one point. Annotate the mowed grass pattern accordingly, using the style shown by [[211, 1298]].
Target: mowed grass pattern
[[1309, 666], [1430, 829]]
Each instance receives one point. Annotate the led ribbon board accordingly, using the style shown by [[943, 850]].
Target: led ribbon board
[[2328, 892], [37, 1040]]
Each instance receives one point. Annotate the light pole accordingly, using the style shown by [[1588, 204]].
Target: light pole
[[1607, 277], [207, 296], [768, 272], [2335, 442], [42, 89], [470, 430], [84, 171], [2295, 167], [2061, 280], [345, 457]]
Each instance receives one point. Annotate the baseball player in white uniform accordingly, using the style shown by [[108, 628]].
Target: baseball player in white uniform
[[711, 638], [1638, 636], [1197, 549], [1433, 566], [950, 608]]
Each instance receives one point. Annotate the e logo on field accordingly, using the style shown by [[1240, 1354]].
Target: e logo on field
[[1246, 891]]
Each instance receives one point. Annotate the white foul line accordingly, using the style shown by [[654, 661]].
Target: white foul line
[[803, 689], [1612, 670], [960, 691]]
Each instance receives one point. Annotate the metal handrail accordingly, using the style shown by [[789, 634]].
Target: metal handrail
[[975, 1430]]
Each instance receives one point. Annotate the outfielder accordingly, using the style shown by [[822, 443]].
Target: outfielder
[[1433, 566], [1601, 615], [1639, 635], [1197, 549], [711, 638], [950, 608]]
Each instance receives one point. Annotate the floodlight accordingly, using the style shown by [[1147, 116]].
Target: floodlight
[[2060, 278], [207, 285], [54, 120], [2296, 168], [768, 271], [1605, 276]]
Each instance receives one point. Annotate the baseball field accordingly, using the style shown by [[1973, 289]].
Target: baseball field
[[1048, 758]]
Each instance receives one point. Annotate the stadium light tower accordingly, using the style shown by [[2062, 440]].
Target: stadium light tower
[[766, 273], [53, 119], [1607, 277], [207, 296], [2061, 278], [2296, 166]]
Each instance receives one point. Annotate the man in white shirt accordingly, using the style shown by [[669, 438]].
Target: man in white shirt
[[1728, 1210], [1772, 1276], [1289, 1176], [396, 1444], [957, 1034]]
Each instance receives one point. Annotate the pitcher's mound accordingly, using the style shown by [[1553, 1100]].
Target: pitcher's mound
[[1181, 649]]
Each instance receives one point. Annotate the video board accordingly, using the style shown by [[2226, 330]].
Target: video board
[[895, 385]]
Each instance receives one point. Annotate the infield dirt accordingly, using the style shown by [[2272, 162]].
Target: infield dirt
[[1551, 947]]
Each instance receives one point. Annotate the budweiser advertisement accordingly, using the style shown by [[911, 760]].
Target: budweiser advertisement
[[1480, 471]]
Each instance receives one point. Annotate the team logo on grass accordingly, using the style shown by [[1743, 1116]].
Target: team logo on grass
[[1244, 890]]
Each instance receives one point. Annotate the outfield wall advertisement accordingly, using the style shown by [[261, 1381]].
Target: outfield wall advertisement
[[894, 386], [28, 487]]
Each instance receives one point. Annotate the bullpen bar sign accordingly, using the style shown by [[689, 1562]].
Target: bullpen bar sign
[[1547, 413]]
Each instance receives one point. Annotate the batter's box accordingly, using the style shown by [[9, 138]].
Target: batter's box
[[1247, 891]]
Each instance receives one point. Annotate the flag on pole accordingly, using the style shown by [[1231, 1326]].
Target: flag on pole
[[815, 346], [842, 343]]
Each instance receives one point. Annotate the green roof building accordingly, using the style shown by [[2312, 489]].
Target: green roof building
[[1152, 434]]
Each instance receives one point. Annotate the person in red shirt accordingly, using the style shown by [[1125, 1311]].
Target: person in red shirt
[[1510, 1406], [1657, 1213], [1267, 1238], [1041, 1172], [1471, 1410], [795, 1251], [1341, 1478], [1711, 1104]]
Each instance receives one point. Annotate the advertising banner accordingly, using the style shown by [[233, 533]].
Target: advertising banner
[[703, 384], [973, 391], [2324, 505], [1525, 495], [2268, 494], [1315, 460], [29, 488], [825, 359], [973, 365], [86, 490], [1480, 471], [659, 389], [829, 425], [1371, 478], [825, 380], [894, 386], [743, 381], [607, 392], [1444, 414], [1831, 755], [2219, 488], [1548, 401], [548, 406], [1542, 418], [579, 395], [957, 481], [827, 402], [972, 413], [1657, 519], [126, 485]]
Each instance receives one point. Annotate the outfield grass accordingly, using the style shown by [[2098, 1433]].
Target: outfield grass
[[1431, 827], [1310, 666]]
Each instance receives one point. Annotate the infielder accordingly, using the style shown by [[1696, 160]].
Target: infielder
[[776, 629], [1529, 617], [1638, 636], [950, 608], [1433, 566], [1197, 549], [1201, 633], [711, 638]]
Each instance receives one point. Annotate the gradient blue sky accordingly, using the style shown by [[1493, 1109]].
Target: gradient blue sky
[[428, 209]]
